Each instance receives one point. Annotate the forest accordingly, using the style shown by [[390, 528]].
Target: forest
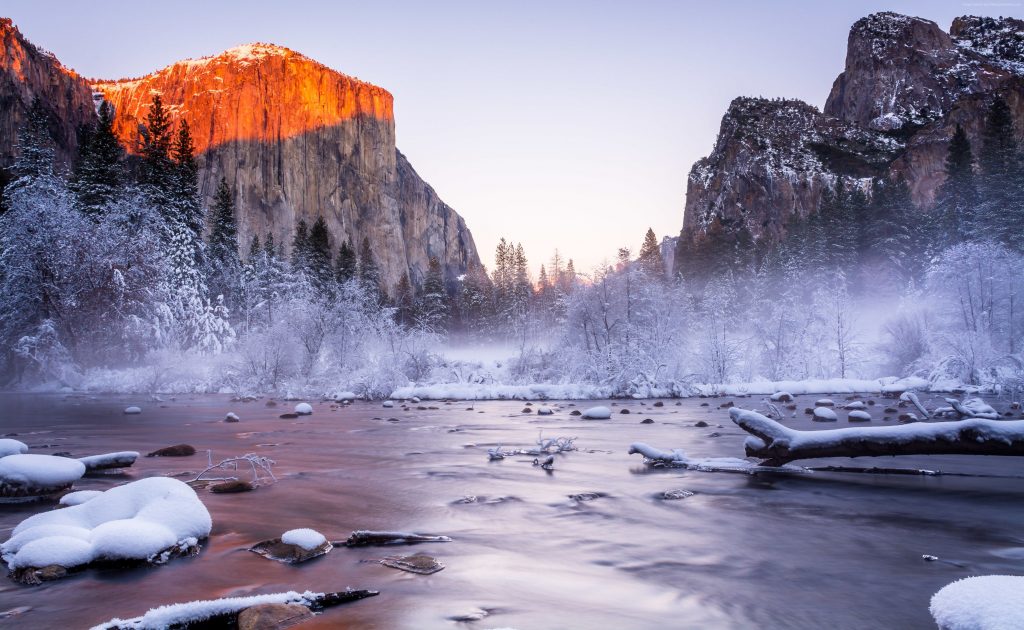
[[115, 278]]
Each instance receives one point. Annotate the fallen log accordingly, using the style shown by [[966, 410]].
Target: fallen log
[[363, 538], [778, 445]]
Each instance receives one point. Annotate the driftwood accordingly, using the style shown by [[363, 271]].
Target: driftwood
[[365, 538], [778, 445]]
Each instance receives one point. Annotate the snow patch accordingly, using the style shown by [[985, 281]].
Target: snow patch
[[989, 602], [12, 447], [308, 539]]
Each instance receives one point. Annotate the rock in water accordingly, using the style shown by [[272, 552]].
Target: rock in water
[[231, 417], [304, 409], [178, 450], [418, 563], [597, 413], [232, 486], [272, 616], [362, 538], [544, 411], [294, 546], [133, 410], [858, 415], [824, 414]]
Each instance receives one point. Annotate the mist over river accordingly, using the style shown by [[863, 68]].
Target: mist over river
[[811, 551]]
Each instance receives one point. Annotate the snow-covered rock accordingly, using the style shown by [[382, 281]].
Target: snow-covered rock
[[597, 413], [544, 411], [974, 408], [388, 404], [824, 414], [825, 402], [304, 409], [26, 476], [856, 404], [858, 415], [782, 397], [151, 519], [12, 447], [109, 461], [988, 602], [306, 538], [231, 417], [132, 410]]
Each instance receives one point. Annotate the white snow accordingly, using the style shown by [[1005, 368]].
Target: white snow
[[40, 471], [232, 417], [824, 414], [134, 521], [176, 615], [857, 404], [597, 413], [306, 538], [303, 409], [79, 497], [781, 396], [989, 602], [974, 408], [388, 404], [132, 410], [544, 411], [859, 414], [676, 457], [12, 447], [825, 402]]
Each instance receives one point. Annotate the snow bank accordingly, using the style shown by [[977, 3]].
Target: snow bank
[[177, 615], [40, 471], [308, 539], [597, 413], [136, 521], [535, 391], [12, 447], [990, 602], [823, 386]]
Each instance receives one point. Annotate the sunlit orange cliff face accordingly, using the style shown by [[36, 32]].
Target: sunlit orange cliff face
[[253, 92]]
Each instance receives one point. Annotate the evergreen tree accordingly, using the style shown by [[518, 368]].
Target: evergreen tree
[[185, 186], [346, 266], [650, 260], [405, 301], [432, 305], [888, 253], [157, 167], [320, 255], [369, 272], [1000, 183], [35, 147], [952, 219], [99, 171], [300, 248], [225, 263]]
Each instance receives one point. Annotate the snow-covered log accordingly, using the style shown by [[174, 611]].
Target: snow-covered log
[[778, 444], [973, 408], [109, 461]]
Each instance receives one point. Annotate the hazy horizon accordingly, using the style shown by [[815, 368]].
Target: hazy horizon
[[570, 126]]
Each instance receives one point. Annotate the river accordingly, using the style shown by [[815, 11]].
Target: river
[[814, 551]]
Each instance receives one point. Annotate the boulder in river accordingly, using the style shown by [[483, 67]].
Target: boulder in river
[[304, 409], [131, 411], [824, 414], [294, 546], [231, 417], [597, 413], [419, 563], [178, 450], [272, 616], [232, 486]]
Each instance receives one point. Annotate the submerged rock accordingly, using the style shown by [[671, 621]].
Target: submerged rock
[[419, 563], [272, 616], [647, 421], [675, 495], [700, 424], [178, 450], [288, 416], [575, 412]]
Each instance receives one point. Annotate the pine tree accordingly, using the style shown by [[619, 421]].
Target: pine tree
[[405, 301], [300, 248], [369, 272], [35, 146], [346, 266], [99, 171], [1000, 185], [225, 263], [157, 167], [432, 305], [952, 219], [320, 255], [650, 260], [888, 253]]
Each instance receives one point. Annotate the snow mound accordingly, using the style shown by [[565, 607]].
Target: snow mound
[[132, 410], [137, 521], [12, 447], [304, 409], [80, 497], [308, 539], [39, 471], [597, 413], [989, 602], [824, 414]]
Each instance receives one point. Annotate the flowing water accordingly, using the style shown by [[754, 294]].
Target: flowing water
[[821, 550]]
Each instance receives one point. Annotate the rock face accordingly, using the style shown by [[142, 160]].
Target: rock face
[[294, 138], [26, 72], [906, 86], [297, 140]]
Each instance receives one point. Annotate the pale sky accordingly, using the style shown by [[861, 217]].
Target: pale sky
[[554, 123]]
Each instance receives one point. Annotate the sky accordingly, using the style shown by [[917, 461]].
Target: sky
[[557, 124]]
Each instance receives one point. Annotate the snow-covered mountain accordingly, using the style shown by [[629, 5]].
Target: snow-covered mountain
[[294, 138], [906, 85]]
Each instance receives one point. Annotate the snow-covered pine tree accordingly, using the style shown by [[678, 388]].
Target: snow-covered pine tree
[[369, 272], [99, 171], [300, 248], [222, 252], [650, 260], [404, 301], [345, 266], [952, 220], [432, 310], [1001, 181], [320, 268]]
